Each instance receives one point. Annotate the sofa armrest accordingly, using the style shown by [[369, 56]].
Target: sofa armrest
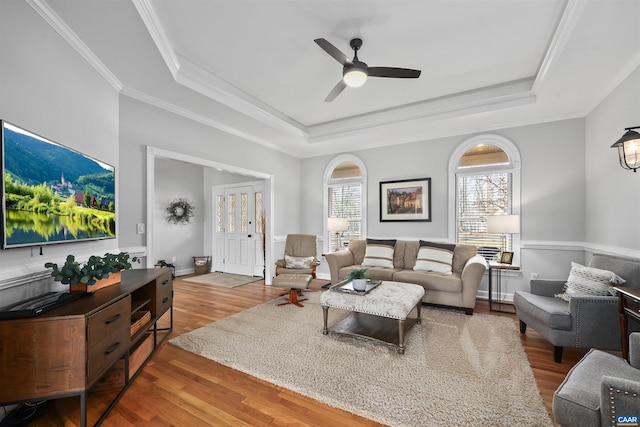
[[596, 321], [471, 277], [618, 397], [634, 349], [280, 263], [336, 261], [546, 288]]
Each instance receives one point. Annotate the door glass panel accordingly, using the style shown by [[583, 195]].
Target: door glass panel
[[232, 213], [259, 218], [220, 213], [244, 212]]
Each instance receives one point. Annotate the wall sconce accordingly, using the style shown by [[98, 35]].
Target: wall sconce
[[629, 149], [337, 226]]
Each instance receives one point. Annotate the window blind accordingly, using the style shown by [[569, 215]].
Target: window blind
[[479, 196]]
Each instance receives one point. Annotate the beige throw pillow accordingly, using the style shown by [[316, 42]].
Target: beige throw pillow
[[298, 261], [435, 257], [379, 253], [586, 281]]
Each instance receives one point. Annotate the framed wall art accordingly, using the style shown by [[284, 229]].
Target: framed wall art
[[405, 200]]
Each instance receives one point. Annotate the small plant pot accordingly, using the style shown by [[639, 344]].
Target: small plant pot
[[359, 284]]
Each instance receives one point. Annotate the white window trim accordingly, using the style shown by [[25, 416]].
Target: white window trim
[[325, 191], [514, 167]]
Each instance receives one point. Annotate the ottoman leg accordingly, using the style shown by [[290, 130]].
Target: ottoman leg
[[419, 319], [325, 315], [401, 336], [293, 298]]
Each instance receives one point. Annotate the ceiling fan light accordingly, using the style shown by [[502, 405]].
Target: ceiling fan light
[[354, 77]]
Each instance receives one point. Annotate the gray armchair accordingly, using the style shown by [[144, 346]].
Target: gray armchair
[[600, 388], [585, 321], [297, 247]]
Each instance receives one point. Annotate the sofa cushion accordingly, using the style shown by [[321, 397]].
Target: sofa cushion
[[373, 273], [590, 281], [430, 281], [436, 257], [379, 253], [550, 311], [298, 261], [461, 255]]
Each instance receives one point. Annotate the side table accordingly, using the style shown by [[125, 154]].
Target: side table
[[499, 267], [629, 308]]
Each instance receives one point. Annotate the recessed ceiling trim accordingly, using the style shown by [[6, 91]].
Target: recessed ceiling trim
[[172, 108], [211, 86], [566, 24], [52, 18], [457, 105], [156, 30]]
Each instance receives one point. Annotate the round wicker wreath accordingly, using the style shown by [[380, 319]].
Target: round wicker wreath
[[180, 211]]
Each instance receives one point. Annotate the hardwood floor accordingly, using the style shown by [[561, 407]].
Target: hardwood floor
[[177, 388]]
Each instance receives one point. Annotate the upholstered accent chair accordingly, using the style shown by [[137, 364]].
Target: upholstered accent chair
[[600, 388], [300, 255], [584, 321]]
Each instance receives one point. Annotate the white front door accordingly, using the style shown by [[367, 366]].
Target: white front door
[[238, 256]]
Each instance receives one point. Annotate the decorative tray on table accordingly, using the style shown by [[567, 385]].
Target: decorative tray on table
[[346, 287]]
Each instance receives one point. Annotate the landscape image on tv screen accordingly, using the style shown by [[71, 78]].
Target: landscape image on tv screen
[[53, 194]]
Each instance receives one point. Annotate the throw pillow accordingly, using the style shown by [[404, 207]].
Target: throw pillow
[[298, 261], [585, 281], [379, 253], [436, 257]]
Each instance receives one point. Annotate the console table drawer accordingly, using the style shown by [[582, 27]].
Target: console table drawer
[[164, 293], [107, 337], [631, 306]]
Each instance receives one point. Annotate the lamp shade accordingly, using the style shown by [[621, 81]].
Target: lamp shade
[[337, 224], [503, 224], [629, 149]]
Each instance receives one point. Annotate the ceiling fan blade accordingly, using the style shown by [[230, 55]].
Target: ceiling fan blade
[[337, 89], [398, 73], [333, 51]]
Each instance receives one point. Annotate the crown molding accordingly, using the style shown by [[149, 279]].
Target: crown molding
[[566, 24], [457, 105], [52, 18], [208, 121], [206, 83], [156, 30]]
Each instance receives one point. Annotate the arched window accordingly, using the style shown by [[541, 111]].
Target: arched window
[[484, 181], [345, 185]]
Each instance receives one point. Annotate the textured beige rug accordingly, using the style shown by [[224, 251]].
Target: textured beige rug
[[457, 369], [227, 280]]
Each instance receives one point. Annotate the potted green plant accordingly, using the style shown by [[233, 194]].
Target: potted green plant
[[97, 268], [358, 277]]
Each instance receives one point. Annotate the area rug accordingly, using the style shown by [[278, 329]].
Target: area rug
[[227, 280], [457, 369]]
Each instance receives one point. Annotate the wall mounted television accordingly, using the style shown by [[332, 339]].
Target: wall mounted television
[[51, 193]]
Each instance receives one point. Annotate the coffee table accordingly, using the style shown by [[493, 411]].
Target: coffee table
[[380, 314]]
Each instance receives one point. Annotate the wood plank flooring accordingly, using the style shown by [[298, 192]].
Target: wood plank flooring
[[177, 388]]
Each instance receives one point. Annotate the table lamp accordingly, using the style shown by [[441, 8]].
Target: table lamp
[[503, 224], [337, 226]]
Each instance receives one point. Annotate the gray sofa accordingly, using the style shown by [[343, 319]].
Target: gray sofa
[[457, 290], [599, 389], [585, 321]]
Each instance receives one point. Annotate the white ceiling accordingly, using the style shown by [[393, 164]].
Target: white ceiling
[[251, 68]]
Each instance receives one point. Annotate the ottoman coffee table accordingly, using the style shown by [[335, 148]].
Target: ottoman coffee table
[[380, 314]]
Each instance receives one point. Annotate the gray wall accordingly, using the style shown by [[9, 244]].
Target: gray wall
[[552, 188], [178, 180], [613, 193], [49, 89]]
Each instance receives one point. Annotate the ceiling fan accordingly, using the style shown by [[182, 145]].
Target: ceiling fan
[[355, 72]]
